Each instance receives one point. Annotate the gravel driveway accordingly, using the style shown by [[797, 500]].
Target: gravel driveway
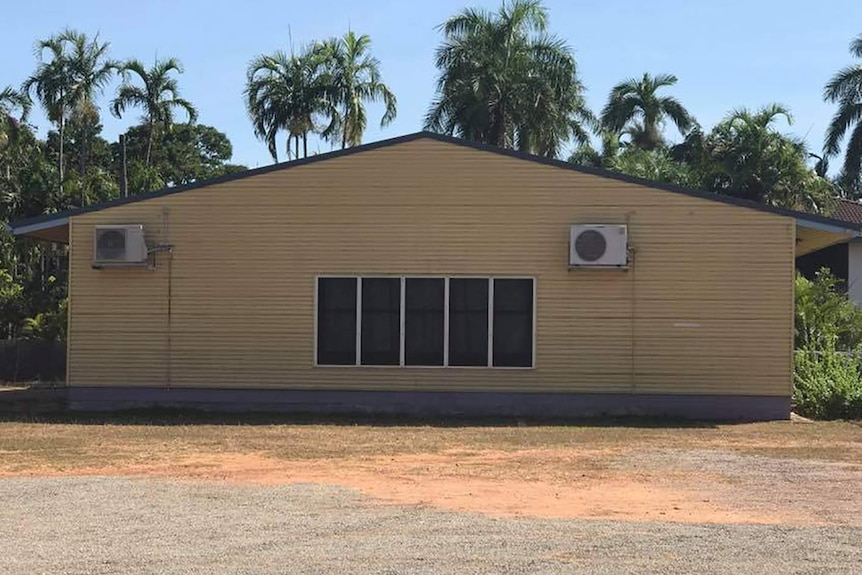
[[141, 526]]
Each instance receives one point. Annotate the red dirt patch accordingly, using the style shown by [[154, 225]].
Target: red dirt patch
[[758, 473], [459, 482]]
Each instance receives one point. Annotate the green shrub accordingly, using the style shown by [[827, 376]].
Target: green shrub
[[825, 316], [827, 381], [827, 385]]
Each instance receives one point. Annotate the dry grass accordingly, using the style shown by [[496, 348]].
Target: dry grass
[[781, 472], [70, 445]]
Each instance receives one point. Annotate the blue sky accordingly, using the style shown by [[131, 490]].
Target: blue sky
[[726, 54]]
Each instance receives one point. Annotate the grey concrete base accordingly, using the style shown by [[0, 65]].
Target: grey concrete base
[[431, 403]]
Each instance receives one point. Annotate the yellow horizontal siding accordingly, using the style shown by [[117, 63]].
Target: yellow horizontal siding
[[706, 307]]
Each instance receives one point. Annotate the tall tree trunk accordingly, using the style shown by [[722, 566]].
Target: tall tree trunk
[[124, 179], [305, 144], [60, 160], [344, 129], [150, 130], [82, 155]]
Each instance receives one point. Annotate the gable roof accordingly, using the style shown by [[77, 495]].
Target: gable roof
[[61, 218]]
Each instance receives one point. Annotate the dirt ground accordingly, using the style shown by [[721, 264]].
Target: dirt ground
[[777, 473]]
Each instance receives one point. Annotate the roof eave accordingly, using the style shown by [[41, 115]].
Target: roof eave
[[54, 220], [49, 230], [835, 226]]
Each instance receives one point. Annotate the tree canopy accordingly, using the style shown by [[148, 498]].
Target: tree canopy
[[635, 109], [504, 80], [322, 90], [845, 89], [74, 165], [157, 96]]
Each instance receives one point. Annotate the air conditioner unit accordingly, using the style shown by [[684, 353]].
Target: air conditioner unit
[[119, 245], [598, 246]]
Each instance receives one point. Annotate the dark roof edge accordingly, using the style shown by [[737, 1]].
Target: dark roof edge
[[17, 226], [652, 183]]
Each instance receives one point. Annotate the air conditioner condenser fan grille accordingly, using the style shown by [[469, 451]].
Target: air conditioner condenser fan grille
[[591, 245], [111, 244]]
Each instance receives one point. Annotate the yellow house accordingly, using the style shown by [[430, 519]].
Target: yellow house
[[426, 274]]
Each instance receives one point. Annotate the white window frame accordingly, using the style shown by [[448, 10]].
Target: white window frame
[[446, 279]]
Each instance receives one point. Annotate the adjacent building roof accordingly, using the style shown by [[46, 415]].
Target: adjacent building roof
[[60, 219], [848, 211]]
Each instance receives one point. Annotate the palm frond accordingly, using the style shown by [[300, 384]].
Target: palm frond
[[10, 99], [677, 113], [845, 84], [635, 104], [619, 111], [853, 154], [848, 114], [662, 80]]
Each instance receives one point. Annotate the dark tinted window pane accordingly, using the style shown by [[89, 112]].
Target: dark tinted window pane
[[381, 321], [468, 322], [423, 321], [513, 323], [336, 321]]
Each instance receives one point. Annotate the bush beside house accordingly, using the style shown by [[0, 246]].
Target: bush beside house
[[828, 376]]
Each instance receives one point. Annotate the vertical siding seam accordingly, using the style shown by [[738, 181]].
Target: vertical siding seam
[[633, 321], [170, 341], [169, 352], [69, 287], [791, 228]]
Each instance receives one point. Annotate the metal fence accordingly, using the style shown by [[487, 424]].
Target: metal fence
[[32, 360]]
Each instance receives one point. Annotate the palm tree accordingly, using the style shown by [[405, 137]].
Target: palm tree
[[749, 158], [50, 84], [10, 101], [586, 155], [355, 79], [69, 82], [158, 97], [90, 71], [634, 108], [286, 93], [845, 89], [505, 81]]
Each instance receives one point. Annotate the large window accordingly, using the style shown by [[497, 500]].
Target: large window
[[336, 321], [513, 323], [381, 321], [468, 322], [425, 321]]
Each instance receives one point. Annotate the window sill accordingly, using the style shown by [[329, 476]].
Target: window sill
[[439, 367]]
